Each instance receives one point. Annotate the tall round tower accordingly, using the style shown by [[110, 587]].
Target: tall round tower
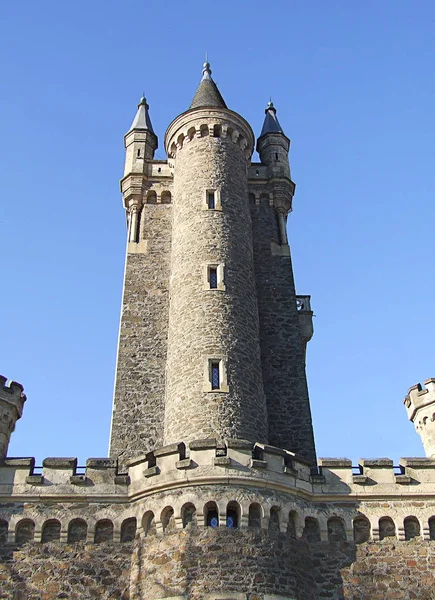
[[214, 384]]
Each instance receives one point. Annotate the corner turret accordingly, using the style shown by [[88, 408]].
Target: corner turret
[[420, 406], [12, 399], [140, 140], [273, 145]]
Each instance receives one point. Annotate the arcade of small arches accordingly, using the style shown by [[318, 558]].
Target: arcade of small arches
[[210, 130], [310, 528]]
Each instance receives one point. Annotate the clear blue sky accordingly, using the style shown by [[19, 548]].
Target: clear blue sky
[[353, 83]]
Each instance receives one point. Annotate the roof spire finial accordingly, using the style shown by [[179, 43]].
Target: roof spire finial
[[206, 71]]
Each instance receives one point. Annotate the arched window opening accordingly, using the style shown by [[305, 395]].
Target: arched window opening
[[128, 529], [412, 528], [149, 523], [386, 528], [254, 518], [167, 518], [211, 515], [233, 514], [336, 530], [432, 528], [173, 151], [151, 197], [230, 132], [217, 131], [3, 532], [311, 530], [361, 530], [180, 141], [25, 531], [103, 531], [274, 519], [291, 525], [204, 130], [191, 133], [165, 198], [188, 515], [77, 531], [50, 531]]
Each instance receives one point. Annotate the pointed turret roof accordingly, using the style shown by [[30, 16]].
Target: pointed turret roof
[[142, 119], [207, 93], [271, 123]]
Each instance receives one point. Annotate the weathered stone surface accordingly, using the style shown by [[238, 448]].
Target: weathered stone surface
[[138, 409], [212, 324]]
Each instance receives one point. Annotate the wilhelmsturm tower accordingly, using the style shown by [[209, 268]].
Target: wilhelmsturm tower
[[212, 489]]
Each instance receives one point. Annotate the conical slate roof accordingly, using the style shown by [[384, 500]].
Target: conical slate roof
[[207, 93], [142, 119], [271, 123]]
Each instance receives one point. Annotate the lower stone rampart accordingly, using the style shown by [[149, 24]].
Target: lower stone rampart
[[219, 564]]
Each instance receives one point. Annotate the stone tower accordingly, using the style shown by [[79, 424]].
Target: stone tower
[[212, 337], [212, 491]]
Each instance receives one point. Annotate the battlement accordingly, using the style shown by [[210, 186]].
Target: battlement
[[12, 393], [419, 396], [207, 462]]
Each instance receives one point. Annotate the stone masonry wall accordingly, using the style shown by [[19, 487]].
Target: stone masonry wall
[[199, 561], [137, 421], [71, 571], [212, 323], [282, 354]]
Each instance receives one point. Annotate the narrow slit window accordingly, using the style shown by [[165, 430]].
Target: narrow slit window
[[211, 202], [138, 152], [215, 375], [213, 278]]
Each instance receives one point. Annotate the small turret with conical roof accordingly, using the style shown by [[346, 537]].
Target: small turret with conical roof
[[273, 145], [140, 140]]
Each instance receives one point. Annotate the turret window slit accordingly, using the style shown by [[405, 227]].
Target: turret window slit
[[215, 376], [213, 278], [211, 202]]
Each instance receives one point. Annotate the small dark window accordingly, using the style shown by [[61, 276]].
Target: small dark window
[[212, 518], [232, 518], [257, 172], [276, 156], [211, 200], [215, 383], [138, 152], [159, 170], [213, 278]]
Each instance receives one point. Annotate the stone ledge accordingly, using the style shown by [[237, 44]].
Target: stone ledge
[[186, 463], [258, 464], [151, 472], [59, 463], [222, 461], [101, 463], [35, 479]]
